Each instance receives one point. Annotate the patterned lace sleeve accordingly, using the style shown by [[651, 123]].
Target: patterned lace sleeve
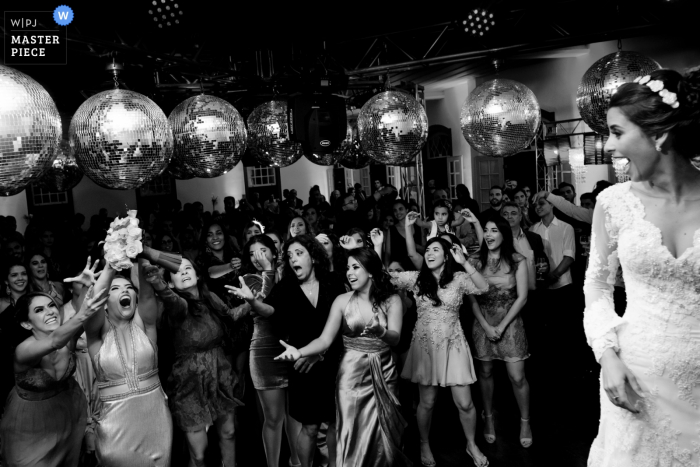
[[600, 320], [467, 286], [404, 280]]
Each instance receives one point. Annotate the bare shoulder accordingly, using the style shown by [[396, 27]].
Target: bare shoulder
[[343, 299]]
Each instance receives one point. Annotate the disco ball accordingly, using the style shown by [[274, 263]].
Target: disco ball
[[353, 157], [601, 80], [500, 117], [268, 135], [121, 139], [393, 127], [328, 159], [30, 130], [64, 173], [209, 134], [178, 170]]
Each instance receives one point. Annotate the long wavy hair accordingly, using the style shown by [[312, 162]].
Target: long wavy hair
[[229, 250], [205, 295], [365, 239], [321, 263], [21, 311], [507, 248], [288, 234], [381, 289], [263, 239], [5, 273], [427, 285]]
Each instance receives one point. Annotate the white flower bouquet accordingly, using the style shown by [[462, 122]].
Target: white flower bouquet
[[123, 242]]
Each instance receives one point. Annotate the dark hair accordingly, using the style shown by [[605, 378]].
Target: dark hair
[[248, 226], [306, 208], [453, 238], [340, 259], [509, 193], [6, 268], [562, 185], [381, 289], [289, 226], [646, 109], [496, 187], [590, 196], [427, 285], [507, 248], [365, 240], [442, 203], [264, 240], [321, 263], [520, 190], [601, 185], [401, 202], [205, 295], [511, 204], [463, 192], [176, 244], [22, 306]]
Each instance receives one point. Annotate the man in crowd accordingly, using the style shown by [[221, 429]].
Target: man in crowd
[[568, 192], [495, 202], [354, 214]]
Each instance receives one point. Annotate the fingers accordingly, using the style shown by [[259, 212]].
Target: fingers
[[634, 384], [284, 344], [240, 278], [94, 265]]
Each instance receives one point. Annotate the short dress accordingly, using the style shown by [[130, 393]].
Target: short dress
[[494, 305], [201, 385], [44, 419], [439, 354]]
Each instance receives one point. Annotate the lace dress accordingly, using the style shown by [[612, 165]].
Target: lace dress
[[658, 338], [439, 354]]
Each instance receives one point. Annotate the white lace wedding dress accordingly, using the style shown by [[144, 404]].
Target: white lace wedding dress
[[658, 338]]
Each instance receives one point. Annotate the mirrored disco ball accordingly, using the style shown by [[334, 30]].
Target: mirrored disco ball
[[30, 130], [209, 135], [500, 117], [601, 80], [268, 135], [393, 127], [121, 139], [178, 170], [353, 157], [324, 159], [64, 173]]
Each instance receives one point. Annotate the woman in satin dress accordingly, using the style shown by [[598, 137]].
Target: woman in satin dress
[[134, 426], [369, 424], [45, 416]]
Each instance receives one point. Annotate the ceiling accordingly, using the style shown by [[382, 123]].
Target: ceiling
[[253, 52]]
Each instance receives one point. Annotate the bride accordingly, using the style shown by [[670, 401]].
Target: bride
[[650, 358]]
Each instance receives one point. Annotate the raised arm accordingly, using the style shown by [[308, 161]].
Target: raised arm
[[31, 351], [324, 341], [475, 282], [175, 305], [413, 255], [474, 221], [95, 325], [148, 304], [220, 270], [576, 212]]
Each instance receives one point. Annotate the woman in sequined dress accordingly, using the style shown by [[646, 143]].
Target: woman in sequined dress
[[439, 354], [498, 332]]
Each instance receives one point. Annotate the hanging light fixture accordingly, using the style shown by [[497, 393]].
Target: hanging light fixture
[[30, 130], [500, 117], [478, 22], [577, 161], [353, 155], [268, 135], [64, 173]]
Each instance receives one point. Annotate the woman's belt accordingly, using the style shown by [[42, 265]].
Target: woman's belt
[[365, 344], [35, 396], [118, 389]]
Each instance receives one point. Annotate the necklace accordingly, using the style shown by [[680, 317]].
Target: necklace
[[494, 264], [312, 287]]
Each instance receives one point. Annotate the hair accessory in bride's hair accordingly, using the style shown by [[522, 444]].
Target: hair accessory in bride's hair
[[260, 226], [657, 85]]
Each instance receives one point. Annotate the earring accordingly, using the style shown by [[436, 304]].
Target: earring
[[658, 147], [208, 250]]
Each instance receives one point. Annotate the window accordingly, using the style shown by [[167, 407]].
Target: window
[[161, 185], [391, 176], [365, 180], [349, 182], [261, 176], [454, 174], [44, 197]]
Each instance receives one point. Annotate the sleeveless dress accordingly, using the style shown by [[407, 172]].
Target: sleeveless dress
[[368, 421], [44, 420], [134, 426], [658, 338], [494, 305], [439, 354]]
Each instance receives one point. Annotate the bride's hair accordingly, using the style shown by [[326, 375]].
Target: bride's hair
[[646, 108]]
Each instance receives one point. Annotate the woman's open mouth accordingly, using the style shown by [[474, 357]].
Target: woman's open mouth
[[51, 320], [125, 301]]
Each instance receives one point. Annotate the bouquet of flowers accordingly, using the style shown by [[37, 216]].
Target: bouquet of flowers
[[123, 242]]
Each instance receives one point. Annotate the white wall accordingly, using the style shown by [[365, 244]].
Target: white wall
[[202, 189], [302, 175], [15, 206], [89, 198]]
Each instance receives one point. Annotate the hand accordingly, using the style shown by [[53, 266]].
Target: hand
[[291, 354], [260, 258], [235, 264], [469, 216], [551, 277], [348, 242], [94, 303], [304, 364], [385, 190], [619, 383], [458, 254], [244, 292], [492, 333], [373, 328], [411, 218], [377, 237], [537, 196], [87, 276], [153, 274]]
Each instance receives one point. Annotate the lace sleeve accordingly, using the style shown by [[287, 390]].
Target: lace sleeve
[[467, 286], [404, 280], [600, 320]]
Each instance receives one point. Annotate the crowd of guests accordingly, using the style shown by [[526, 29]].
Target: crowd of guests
[[323, 314]]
